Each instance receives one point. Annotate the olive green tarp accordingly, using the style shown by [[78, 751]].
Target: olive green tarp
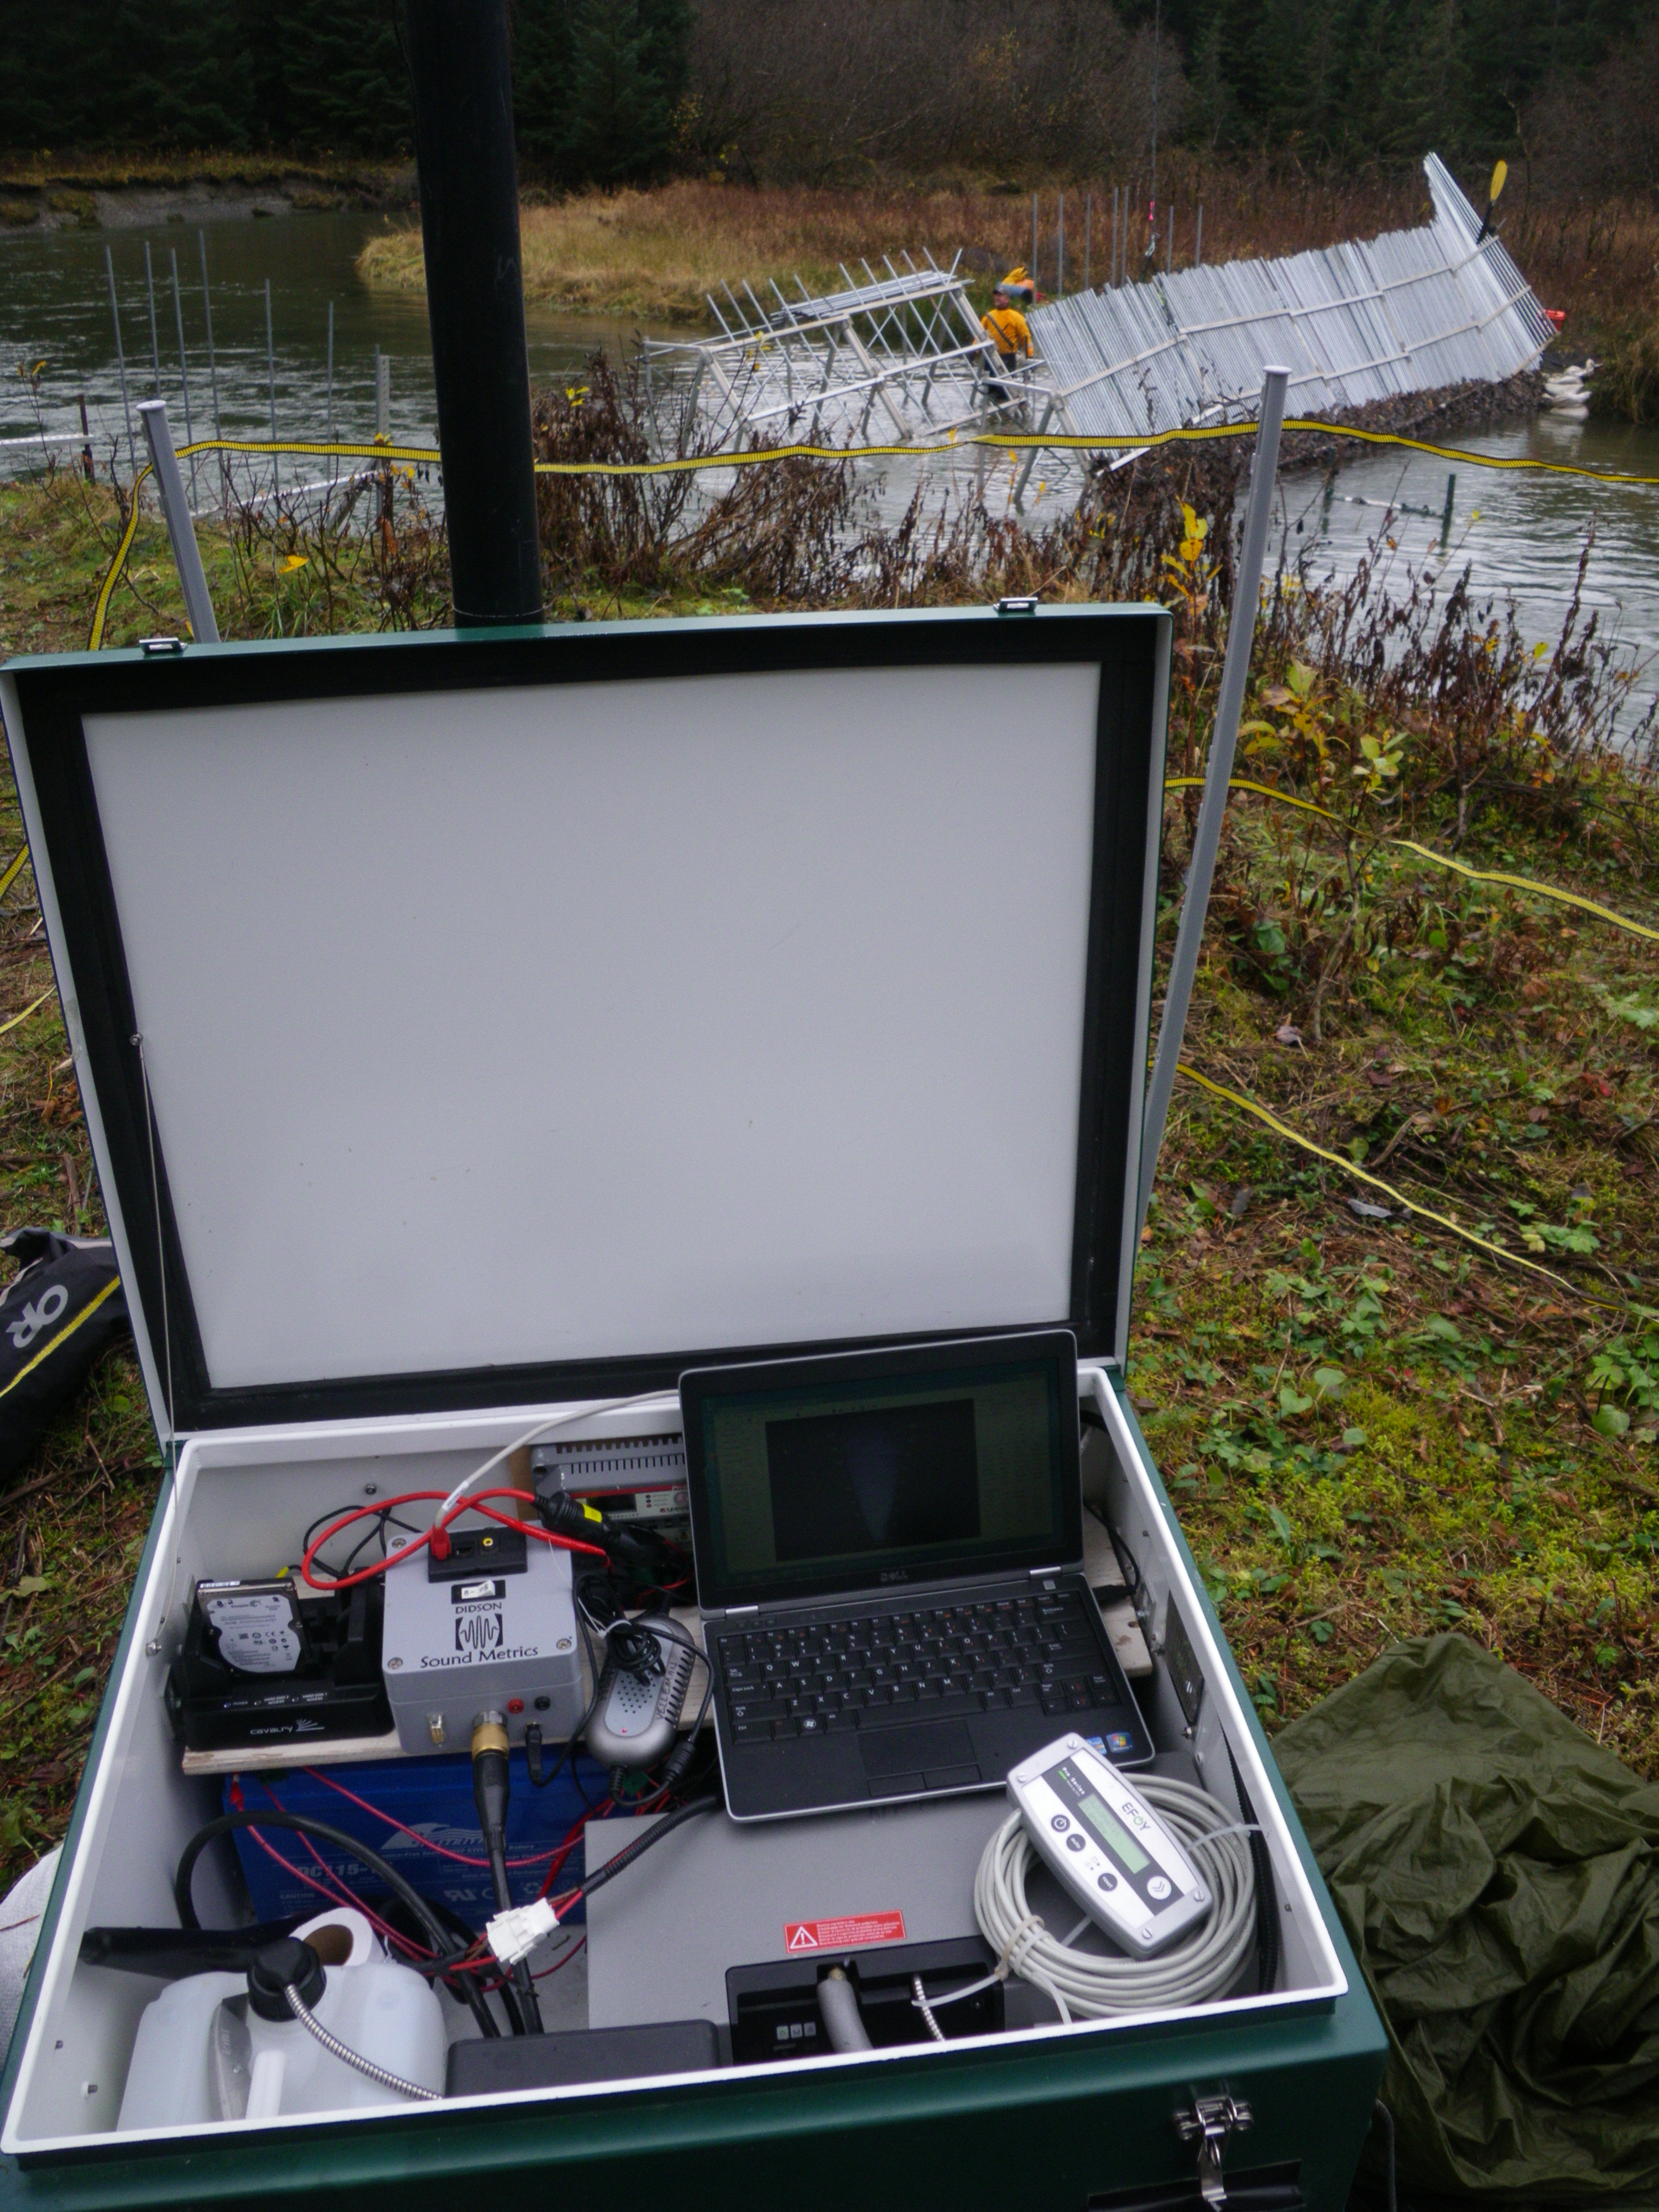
[[1497, 1876]]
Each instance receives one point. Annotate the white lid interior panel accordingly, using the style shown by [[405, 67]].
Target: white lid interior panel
[[700, 992], [529, 1016]]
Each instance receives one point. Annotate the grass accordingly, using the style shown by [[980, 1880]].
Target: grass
[[1370, 1429]]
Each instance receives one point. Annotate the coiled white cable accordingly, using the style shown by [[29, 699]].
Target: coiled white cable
[[1094, 1985]]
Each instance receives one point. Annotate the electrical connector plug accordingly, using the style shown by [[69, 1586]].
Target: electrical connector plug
[[515, 1934]]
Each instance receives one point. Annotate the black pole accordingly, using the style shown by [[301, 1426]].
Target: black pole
[[460, 65]]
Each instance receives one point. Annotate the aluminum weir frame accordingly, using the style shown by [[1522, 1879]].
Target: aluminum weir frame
[[814, 371], [1410, 311]]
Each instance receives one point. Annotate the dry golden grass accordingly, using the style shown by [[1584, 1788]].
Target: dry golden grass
[[655, 255]]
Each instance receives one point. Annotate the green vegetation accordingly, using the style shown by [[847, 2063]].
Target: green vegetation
[[598, 85], [1371, 1428]]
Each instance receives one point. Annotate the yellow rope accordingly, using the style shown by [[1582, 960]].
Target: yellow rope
[[1249, 1105], [1439, 860], [1004, 440], [100, 611], [14, 872], [18, 1018]]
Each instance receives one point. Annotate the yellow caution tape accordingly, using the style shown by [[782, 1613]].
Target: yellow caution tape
[[1008, 441], [1249, 1105], [1439, 860], [67, 1330], [17, 1019], [14, 872]]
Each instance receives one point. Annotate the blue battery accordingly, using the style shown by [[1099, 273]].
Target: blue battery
[[417, 1803]]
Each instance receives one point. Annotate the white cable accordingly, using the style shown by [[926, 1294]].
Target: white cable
[[553, 1421], [1094, 1985]]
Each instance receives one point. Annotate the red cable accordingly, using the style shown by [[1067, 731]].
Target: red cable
[[564, 1960], [345, 1896], [470, 1504], [414, 1834]]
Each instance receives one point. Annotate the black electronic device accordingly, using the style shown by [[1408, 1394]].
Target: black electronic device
[[315, 1671], [889, 1566], [498, 2066], [774, 2007]]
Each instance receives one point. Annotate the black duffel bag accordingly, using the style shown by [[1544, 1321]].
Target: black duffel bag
[[64, 1309]]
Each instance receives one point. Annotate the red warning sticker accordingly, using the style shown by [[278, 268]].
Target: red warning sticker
[[844, 1934]]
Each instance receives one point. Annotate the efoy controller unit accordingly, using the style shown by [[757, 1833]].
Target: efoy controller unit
[[490, 1629]]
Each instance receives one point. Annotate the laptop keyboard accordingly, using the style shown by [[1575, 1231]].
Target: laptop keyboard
[[933, 1663]]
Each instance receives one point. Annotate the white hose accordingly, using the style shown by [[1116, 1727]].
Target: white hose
[[1092, 1985]]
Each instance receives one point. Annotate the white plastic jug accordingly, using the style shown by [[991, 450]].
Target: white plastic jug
[[204, 2054]]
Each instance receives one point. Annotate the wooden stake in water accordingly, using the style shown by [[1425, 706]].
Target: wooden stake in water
[[154, 343], [120, 359], [213, 365], [183, 371], [271, 371]]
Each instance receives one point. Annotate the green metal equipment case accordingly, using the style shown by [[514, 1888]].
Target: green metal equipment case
[[476, 1027]]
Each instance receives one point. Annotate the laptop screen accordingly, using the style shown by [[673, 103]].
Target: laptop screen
[[869, 1470]]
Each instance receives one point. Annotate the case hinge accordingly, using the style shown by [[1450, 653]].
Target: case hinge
[[1209, 2124]]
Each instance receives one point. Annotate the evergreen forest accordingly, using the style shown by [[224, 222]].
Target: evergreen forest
[[607, 91]]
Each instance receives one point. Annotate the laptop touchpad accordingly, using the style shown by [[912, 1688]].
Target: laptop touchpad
[[912, 1750]]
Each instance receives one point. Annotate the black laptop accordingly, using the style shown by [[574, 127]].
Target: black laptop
[[889, 1566]]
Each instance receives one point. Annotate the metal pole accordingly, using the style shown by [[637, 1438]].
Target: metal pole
[[270, 372], [1030, 457], [1059, 261], [183, 371], [461, 73], [1198, 243], [120, 360], [382, 394], [1088, 224], [213, 364], [331, 372], [154, 343], [198, 607], [1223, 739]]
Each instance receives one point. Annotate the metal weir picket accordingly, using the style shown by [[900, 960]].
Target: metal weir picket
[[902, 354], [1411, 311]]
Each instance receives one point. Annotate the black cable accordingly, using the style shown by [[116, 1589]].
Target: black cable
[[630, 1852], [491, 1794], [1380, 2112], [1266, 1896], [321, 1832]]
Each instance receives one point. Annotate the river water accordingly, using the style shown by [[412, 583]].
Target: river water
[[1521, 531]]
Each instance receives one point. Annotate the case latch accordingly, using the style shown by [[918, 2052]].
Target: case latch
[[1209, 2124]]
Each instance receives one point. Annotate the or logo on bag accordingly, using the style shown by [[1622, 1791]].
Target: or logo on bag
[[35, 1317]]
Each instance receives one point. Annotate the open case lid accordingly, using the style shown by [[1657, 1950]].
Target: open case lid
[[528, 1015]]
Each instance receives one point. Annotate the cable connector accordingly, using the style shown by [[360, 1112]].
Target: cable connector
[[515, 1934]]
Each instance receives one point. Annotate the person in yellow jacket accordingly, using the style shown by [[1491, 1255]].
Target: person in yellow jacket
[[1007, 328]]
